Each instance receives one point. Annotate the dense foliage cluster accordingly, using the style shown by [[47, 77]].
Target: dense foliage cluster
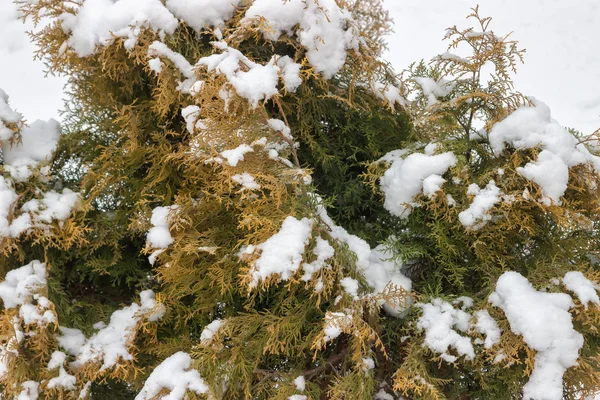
[[245, 202]]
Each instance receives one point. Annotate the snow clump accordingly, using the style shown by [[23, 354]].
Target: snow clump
[[438, 321], [544, 322], [534, 127], [324, 29], [405, 178], [176, 375], [282, 253]]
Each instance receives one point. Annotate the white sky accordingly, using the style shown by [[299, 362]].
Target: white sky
[[562, 63]]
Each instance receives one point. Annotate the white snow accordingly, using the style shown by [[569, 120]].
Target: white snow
[[21, 284], [38, 142], [234, 156], [550, 173], [254, 82], [389, 93], [282, 253], [465, 302], [300, 383], [111, 343], [432, 184], [52, 206], [383, 395], [454, 57], [544, 321], [335, 324], [585, 289], [97, 22], [324, 252], [64, 379], [175, 374], [38, 314], [477, 214], [190, 115], [368, 364], [350, 286], [159, 49], [433, 90], [290, 73], [211, 330], [531, 127], [450, 200], [374, 264], [246, 180], [21, 289], [7, 116], [403, 181], [30, 391], [438, 321], [279, 126], [280, 16], [71, 339], [159, 236], [85, 391], [487, 326], [155, 65], [203, 13], [8, 197], [323, 29]]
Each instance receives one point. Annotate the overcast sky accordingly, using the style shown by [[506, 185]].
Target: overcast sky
[[562, 63]]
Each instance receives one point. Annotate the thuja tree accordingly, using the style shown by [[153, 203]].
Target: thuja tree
[[499, 210], [245, 202]]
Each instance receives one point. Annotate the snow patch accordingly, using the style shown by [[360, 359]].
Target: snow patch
[[7, 116], [210, 330], [234, 156], [64, 379], [487, 326], [438, 321], [374, 264], [350, 286], [335, 324], [38, 142], [98, 22], [246, 180], [21, 284], [544, 321], [159, 49], [323, 28], [282, 253], [111, 343], [404, 180], [433, 90], [300, 383], [585, 289], [324, 251], [477, 214], [531, 127], [200, 14], [254, 82], [176, 375], [159, 236]]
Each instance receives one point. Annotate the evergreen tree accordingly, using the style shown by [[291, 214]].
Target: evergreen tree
[[245, 202]]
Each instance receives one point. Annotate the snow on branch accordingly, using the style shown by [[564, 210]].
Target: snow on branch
[[544, 321]]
